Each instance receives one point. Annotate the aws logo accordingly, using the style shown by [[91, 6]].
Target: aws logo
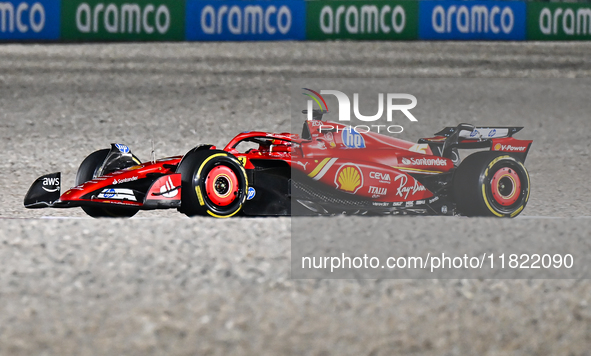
[[349, 178], [52, 184]]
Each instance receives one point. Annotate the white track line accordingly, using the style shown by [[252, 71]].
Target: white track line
[[552, 217], [520, 217]]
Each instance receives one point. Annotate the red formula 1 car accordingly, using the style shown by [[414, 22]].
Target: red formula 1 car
[[328, 169]]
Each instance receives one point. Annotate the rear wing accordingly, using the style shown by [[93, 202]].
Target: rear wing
[[470, 132], [498, 138]]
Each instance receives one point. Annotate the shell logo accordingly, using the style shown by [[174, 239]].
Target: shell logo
[[497, 146], [349, 178]]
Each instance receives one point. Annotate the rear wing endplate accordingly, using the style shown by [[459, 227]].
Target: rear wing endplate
[[499, 138]]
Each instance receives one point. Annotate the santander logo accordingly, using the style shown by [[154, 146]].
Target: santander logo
[[424, 161]]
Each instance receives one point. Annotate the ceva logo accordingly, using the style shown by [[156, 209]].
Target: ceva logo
[[21, 18], [126, 18], [472, 20], [251, 20]]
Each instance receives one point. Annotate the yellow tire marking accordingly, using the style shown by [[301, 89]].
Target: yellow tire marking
[[223, 216], [517, 211], [487, 204], [527, 176], [496, 160], [199, 196], [207, 160]]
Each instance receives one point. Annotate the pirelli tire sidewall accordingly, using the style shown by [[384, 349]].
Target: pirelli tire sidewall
[[194, 171], [475, 179]]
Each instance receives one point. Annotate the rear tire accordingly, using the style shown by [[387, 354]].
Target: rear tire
[[491, 184], [213, 183], [87, 171]]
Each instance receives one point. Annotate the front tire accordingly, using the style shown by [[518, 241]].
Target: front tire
[[491, 184], [213, 183], [88, 170]]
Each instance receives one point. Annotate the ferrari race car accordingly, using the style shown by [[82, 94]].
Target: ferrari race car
[[328, 169]]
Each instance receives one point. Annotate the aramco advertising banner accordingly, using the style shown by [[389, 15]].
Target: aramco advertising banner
[[116, 20], [29, 20], [558, 21], [253, 20], [362, 20], [245, 20], [472, 20]]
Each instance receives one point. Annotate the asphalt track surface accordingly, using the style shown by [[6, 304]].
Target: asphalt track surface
[[164, 284]]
